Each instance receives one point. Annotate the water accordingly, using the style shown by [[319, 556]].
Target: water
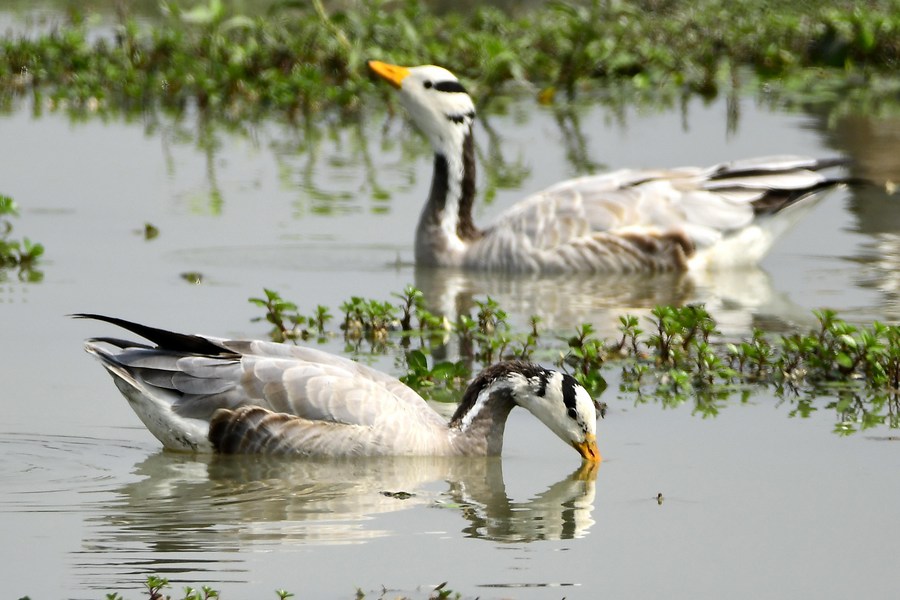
[[756, 502]]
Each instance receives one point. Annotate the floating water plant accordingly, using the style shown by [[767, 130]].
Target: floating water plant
[[155, 586], [299, 60], [21, 255], [287, 323], [678, 356]]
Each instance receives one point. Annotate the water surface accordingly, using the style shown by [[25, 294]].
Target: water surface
[[756, 502]]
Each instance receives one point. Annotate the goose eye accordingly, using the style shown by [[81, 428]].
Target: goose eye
[[572, 414], [427, 84]]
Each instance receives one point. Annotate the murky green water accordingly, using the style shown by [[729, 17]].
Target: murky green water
[[756, 502]]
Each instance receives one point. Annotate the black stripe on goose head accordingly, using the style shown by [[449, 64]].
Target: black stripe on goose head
[[450, 86], [569, 387]]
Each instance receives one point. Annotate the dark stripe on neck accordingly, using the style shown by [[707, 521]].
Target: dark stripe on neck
[[440, 183], [440, 187], [465, 227]]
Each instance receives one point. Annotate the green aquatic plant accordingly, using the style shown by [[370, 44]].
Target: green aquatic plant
[[445, 380], [484, 337], [287, 323], [411, 300], [149, 231], [861, 364], [679, 357], [155, 586], [23, 255], [301, 59], [428, 325], [679, 333], [839, 351], [587, 355], [370, 320], [442, 592]]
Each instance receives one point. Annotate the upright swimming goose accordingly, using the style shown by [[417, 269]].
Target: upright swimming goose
[[623, 221], [205, 394]]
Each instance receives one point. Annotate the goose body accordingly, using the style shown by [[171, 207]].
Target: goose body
[[624, 221], [204, 394]]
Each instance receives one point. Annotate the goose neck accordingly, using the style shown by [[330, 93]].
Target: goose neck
[[480, 420], [446, 227]]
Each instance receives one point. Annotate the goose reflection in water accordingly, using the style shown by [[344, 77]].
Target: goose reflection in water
[[739, 299], [219, 503]]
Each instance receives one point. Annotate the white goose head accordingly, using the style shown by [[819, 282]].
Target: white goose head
[[441, 108], [566, 408], [555, 398], [436, 101]]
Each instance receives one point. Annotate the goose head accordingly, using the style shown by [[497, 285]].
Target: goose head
[[444, 112], [436, 101], [555, 398], [563, 405]]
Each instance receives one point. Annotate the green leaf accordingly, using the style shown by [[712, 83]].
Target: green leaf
[[446, 370], [848, 340], [33, 249], [8, 206], [844, 360], [417, 361]]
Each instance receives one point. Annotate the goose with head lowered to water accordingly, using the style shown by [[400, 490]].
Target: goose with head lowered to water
[[204, 394], [630, 220]]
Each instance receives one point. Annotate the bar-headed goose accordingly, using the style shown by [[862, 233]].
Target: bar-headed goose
[[205, 394], [622, 221]]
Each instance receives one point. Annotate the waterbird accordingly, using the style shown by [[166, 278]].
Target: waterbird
[[205, 394], [630, 220]]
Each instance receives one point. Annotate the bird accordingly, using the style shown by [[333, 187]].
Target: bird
[[197, 393], [624, 221]]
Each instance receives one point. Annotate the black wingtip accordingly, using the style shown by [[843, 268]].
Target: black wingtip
[[168, 340], [751, 168]]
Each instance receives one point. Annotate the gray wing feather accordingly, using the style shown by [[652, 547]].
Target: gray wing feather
[[630, 219], [267, 397], [294, 380], [255, 430]]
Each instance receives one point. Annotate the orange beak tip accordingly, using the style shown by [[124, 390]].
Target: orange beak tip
[[588, 450]]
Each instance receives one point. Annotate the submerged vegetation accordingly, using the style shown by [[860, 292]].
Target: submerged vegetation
[[298, 60], [675, 356]]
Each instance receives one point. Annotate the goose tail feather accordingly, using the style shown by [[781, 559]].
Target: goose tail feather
[[154, 405]]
